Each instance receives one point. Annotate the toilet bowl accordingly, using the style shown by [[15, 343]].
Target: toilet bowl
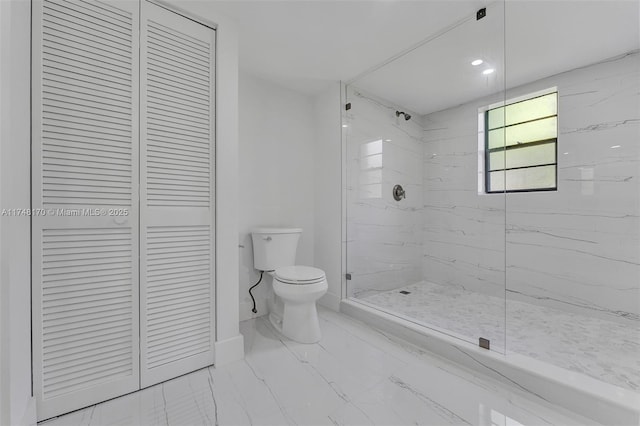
[[296, 288]]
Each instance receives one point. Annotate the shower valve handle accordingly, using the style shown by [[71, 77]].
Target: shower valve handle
[[398, 193]]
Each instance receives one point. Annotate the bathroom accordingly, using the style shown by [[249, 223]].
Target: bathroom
[[550, 278]]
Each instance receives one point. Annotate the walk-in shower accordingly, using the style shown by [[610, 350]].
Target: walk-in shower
[[519, 229]]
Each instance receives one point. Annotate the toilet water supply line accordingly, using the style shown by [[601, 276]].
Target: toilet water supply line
[[254, 310]]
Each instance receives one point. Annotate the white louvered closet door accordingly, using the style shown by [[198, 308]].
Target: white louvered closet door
[[177, 195], [84, 167]]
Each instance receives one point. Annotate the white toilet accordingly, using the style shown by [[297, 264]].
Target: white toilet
[[292, 308]]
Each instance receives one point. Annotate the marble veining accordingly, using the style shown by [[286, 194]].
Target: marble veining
[[354, 376], [603, 349]]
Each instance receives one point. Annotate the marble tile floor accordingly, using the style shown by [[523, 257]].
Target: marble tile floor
[[605, 350], [354, 376]]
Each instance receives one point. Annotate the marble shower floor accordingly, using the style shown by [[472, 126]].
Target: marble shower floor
[[605, 350], [354, 376]]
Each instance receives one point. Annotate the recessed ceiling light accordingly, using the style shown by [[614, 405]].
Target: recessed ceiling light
[[344, 125], [477, 62], [488, 71], [616, 146], [387, 140], [565, 153]]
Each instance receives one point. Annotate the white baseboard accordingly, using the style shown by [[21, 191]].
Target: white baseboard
[[229, 350], [30, 417], [330, 301]]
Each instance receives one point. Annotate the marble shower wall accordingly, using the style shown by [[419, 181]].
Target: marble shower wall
[[463, 231], [577, 248], [384, 243]]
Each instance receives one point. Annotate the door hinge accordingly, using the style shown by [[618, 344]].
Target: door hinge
[[348, 106], [348, 276]]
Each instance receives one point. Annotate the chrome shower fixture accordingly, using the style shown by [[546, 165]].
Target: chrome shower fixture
[[407, 117]]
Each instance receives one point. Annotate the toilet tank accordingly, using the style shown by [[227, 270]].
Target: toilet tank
[[274, 247]]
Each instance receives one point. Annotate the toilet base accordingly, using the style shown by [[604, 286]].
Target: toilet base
[[300, 322], [304, 326], [276, 322], [294, 313]]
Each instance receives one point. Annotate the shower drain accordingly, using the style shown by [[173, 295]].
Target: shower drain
[[405, 292]]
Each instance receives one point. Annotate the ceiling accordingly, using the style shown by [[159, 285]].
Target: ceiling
[[308, 44], [536, 40]]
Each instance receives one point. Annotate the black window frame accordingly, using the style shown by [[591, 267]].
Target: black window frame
[[488, 151]]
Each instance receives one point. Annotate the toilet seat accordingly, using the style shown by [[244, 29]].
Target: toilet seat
[[299, 275]]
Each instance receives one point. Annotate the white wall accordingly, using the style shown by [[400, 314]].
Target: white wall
[[275, 175], [328, 192], [16, 405]]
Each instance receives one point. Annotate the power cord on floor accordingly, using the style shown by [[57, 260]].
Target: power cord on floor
[[254, 310]]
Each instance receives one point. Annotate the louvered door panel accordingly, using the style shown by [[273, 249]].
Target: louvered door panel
[[87, 307], [178, 293], [177, 209], [178, 122], [85, 164]]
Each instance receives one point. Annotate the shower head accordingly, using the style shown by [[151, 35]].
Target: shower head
[[407, 117]]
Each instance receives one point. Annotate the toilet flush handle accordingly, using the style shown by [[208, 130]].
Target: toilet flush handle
[[267, 238]]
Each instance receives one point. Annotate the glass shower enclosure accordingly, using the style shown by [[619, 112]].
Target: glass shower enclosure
[[492, 186]]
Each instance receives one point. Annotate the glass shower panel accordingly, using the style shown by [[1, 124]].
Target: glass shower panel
[[573, 254], [425, 239], [384, 235]]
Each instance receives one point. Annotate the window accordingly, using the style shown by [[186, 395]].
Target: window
[[520, 151]]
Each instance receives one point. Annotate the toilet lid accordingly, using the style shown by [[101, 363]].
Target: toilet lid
[[299, 274]]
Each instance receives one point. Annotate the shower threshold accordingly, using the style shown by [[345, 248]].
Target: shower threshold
[[603, 402]]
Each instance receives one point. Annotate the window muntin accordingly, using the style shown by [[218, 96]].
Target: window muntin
[[521, 145], [517, 134]]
